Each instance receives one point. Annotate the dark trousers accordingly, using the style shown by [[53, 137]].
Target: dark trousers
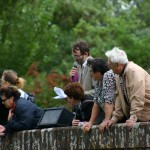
[[100, 117]]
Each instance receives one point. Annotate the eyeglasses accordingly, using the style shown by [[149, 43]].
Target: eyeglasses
[[4, 100], [76, 56], [3, 82], [111, 65]]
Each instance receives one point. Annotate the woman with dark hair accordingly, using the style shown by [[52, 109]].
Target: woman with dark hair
[[10, 77], [81, 107], [104, 93], [24, 114]]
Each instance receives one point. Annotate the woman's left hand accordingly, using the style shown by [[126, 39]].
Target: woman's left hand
[[75, 122], [103, 125], [10, 115]]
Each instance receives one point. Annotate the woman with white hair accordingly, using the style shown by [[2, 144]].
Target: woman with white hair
[[132, 89]]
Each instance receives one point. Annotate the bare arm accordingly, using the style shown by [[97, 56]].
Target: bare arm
[[95, 112], [108, 108]]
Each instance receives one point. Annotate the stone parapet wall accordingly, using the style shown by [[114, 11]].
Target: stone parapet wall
[[73, 138]]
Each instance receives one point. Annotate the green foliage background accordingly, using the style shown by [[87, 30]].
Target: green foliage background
[[43, 31]]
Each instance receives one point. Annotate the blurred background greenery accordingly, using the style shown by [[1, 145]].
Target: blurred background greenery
[[36, 37]]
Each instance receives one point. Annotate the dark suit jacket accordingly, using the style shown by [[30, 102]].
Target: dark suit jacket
[[83, 110], [26, 116]]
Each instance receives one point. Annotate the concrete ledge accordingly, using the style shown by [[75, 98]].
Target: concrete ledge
[[73, 138]]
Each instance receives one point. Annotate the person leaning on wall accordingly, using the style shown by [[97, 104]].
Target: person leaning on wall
[[132, 89], [81, 53], [76, 99], [104, 94], [24, 114], [10, 77]]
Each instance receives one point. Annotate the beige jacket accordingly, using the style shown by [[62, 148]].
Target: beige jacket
[[137, 84], [85, 78]]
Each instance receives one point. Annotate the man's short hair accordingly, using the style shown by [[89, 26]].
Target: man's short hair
[[82, 46]]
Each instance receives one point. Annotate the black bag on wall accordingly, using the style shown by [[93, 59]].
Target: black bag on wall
[[56, 117]]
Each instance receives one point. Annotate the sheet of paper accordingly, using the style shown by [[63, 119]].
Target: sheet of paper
[[60, 93]]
